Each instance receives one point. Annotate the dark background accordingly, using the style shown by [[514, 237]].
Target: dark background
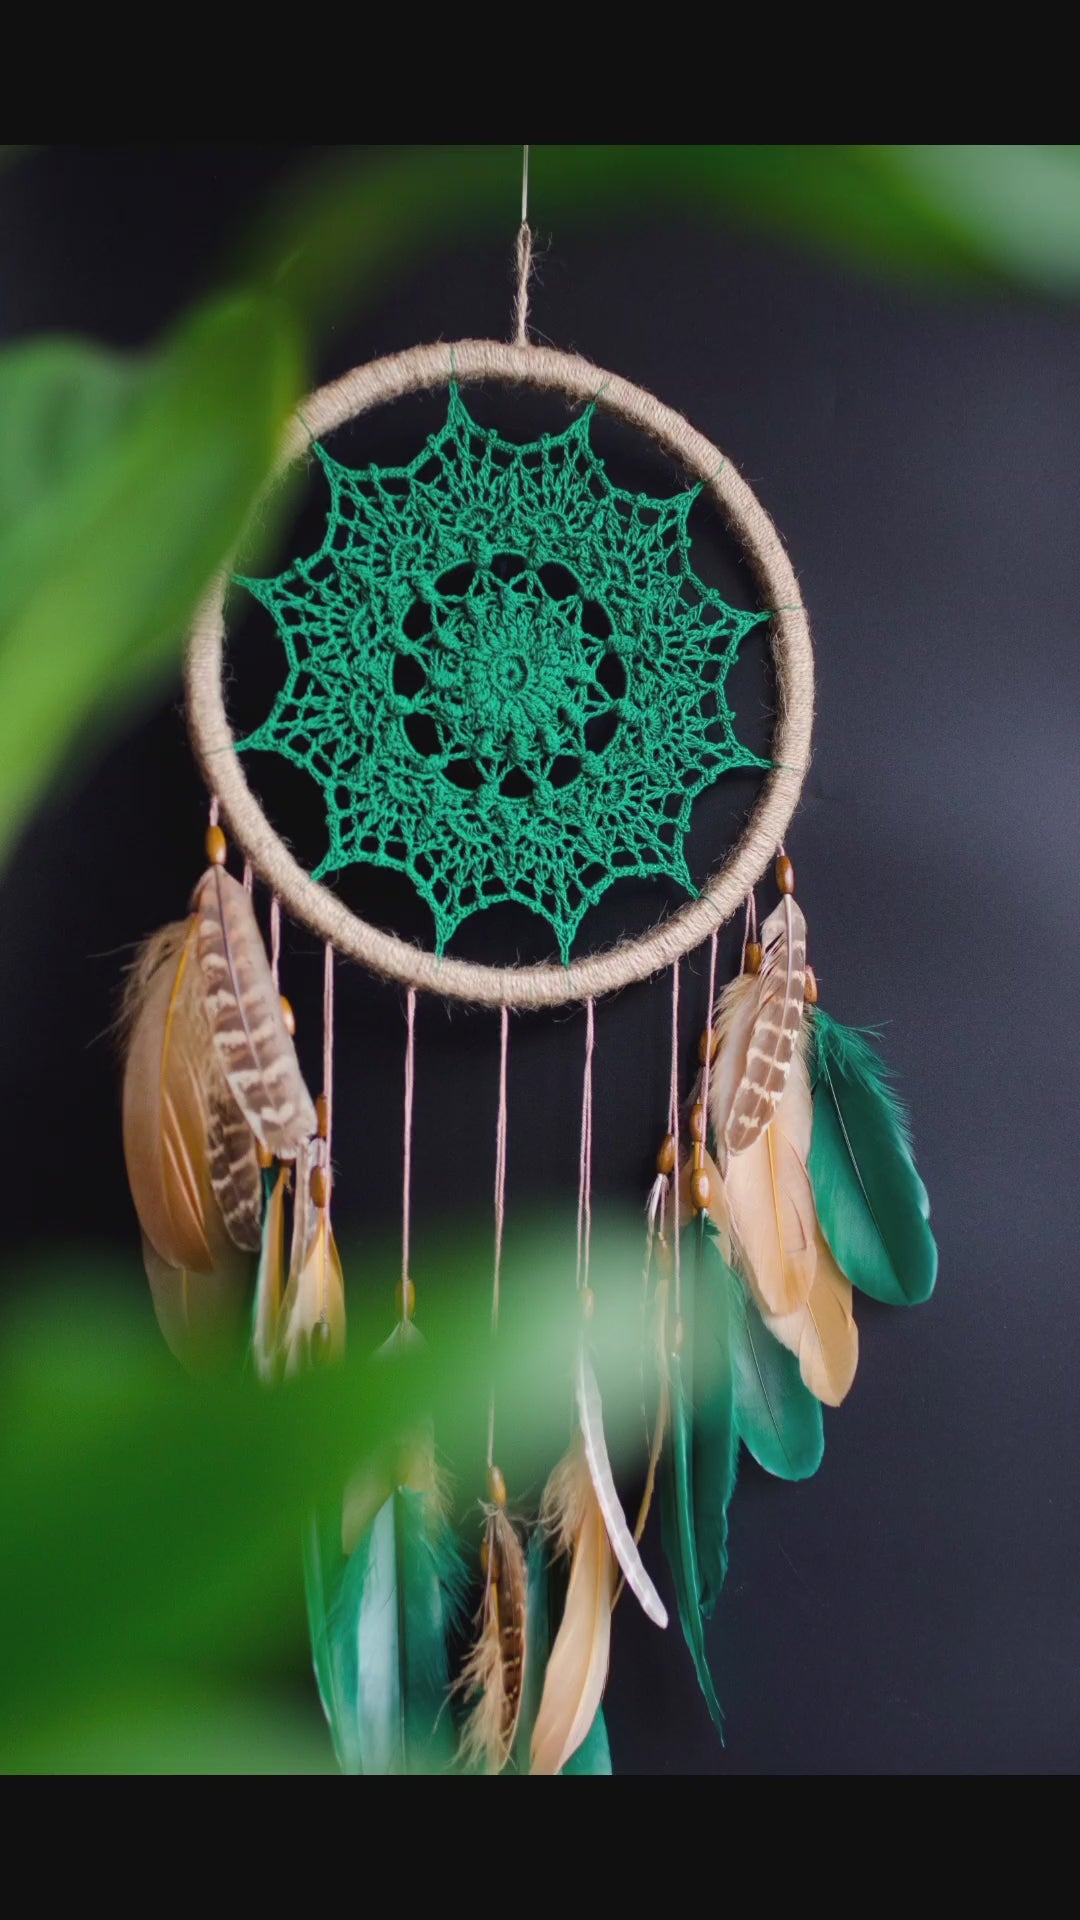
[[913, 1608]]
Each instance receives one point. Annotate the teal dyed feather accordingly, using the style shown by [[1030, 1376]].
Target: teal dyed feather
[[677, 1515], [380, 1624], [715, 1442], [777, 1418], [872, 1205], [594, 1754]]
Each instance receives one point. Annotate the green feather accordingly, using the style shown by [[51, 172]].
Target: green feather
[[379, 1630], [594, 1755], [716, 1446], [677, 1518], [324, 1564], [872, 1205], [777, 1418]]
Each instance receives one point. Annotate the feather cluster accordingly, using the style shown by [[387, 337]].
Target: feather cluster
[[210, 1077], [496, 1669]]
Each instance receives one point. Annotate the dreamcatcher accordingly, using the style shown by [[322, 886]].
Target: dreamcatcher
[[452, 650]]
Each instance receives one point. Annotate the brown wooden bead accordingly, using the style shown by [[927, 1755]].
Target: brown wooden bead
[[665, 1159], [588, 1303], [752, 957], [699, 1153], [320, 1186], [405, 1295], [216, 846], [264, 1156], [322, 1116], [810, 988], [708, 1045], [496, 1486], [785, 874], [288, 1016], [697, 1122], [700, 1188]]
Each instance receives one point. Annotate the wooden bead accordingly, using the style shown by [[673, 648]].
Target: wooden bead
[[322, 1116], [406, 1299], [320, 1186], [588, 1303], [752, 957], [697, 1122], [496, 1487], [665, 1159], [708, 1046], [698, 1153], [288, 1016], [699, 1189], [216, 846], [785, 874], [810, 988], [264, 1156]]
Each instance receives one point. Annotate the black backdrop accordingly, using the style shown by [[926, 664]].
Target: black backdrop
[[912, 1609]]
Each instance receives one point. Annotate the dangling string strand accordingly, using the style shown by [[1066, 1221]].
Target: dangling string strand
[[584, 1219], [249, 876], [406, 1163], [215, 810], [328, 1055], [673, 1126], [500, 1205], [706, 1068], [524, 259], [275, 940]]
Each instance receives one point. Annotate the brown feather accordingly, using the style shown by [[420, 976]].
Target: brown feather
[[313, 1311], [165, 1114], [494, 1673], [578, 1664], [760, 1024], [202, 1315], [244, 1008], [235, 1174]]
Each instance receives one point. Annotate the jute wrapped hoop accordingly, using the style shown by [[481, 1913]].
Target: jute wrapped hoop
[[311, 903]]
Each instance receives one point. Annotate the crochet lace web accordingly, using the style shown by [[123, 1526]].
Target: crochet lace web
[[504, 674]]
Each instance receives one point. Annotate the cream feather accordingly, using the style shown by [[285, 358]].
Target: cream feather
[[759, 1021], [578, 1664], [494, 1672], [822, 1333], [772, 1202], [313, 1310], [201, 1315], [269, 1284], [623, 1544]]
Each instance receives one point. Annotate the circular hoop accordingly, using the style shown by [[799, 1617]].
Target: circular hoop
[[311, 903]]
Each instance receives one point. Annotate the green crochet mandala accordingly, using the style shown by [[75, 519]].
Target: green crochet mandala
[[504, 674]]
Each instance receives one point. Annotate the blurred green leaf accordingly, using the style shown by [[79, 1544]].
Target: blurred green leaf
[[151, 1522], [141, 481]]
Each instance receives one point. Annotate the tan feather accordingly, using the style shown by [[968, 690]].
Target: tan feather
[[313, 1310], [494, 1673], [270, 1283], [623, 1543], [235, 1174], [760, 1025], [578, 1665], [772, 1202], [822, 1333], [257, 1056], [201, 1315], [165, 1109]]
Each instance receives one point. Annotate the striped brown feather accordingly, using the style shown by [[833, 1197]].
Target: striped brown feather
[[494, 1672], [235, 1174], [774, 1029], [244, 1008]]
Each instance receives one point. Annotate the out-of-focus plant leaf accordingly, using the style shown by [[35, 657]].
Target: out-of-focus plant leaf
[[162, 1729], [140, 481], [152, 1523]]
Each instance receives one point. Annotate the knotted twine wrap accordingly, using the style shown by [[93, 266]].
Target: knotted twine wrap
[[312, 904]]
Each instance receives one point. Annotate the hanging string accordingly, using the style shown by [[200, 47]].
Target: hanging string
[[275, 940], [328, 1051], [584, 1217], [215, 810], [673, 1129], [500, 1204], [249, 877], [707, 1064], [406, 1173], [524, 259]]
